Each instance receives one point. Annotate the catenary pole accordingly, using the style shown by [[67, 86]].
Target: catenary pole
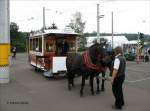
[[98, 34], [44, 27], [112, 31], [4, 41]]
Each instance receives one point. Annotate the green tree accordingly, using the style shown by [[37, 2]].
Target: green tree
[[13, 30], [78, 25], [141, 38], [53, 26], [18, 38]]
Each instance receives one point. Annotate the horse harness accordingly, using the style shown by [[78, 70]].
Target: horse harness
[[90, 65]]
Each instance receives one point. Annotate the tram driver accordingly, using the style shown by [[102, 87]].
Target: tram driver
[[65, 48]]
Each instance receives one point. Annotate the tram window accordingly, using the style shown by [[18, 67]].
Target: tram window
[[72, 46], [40, 44], [49, 47], [31, 44], [34, 44]]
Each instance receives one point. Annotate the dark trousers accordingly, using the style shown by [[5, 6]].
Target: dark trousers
[[14, 55], [117, 91]]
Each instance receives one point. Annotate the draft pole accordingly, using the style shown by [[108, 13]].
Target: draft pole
[[4, 41]]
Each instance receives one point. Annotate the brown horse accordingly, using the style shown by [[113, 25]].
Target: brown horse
[[92, 62]]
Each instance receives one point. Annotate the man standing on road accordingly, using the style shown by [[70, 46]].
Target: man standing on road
[[118, 77]]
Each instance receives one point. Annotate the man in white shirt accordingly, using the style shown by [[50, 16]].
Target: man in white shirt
[[118, 77]]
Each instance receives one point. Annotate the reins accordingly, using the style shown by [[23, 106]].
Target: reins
[[89, 64]]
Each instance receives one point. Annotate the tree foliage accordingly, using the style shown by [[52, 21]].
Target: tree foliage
[[78, 25], [18, 38], [14, 27], [13, 30], [141, 39], [53, 26]]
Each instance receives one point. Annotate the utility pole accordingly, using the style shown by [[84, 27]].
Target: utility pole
[[98, 34], [112, 31], [44, 26], [4, 41], [98, 20]]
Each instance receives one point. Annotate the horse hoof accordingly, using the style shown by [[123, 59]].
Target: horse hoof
[[93, 93], [69, 88], [97, 92], [81, 94], [73, 86], [103, 89]]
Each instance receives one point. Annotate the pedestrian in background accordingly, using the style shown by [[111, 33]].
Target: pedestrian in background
[[118, 77], [14, 50]]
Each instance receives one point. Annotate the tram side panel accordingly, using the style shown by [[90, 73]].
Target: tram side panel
[[48, 60], [37, 61]]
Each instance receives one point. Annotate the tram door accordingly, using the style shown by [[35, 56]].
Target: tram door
[[59, 44], [49, 52], [62, 47]]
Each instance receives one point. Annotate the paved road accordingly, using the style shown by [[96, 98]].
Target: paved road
[[30, 91]]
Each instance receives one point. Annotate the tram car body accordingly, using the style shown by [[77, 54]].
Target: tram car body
[[45, 50]]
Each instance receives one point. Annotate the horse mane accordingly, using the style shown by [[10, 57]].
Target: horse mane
[[94, 51]]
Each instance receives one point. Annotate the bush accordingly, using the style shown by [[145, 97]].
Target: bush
[[21, 46], [81, 49]]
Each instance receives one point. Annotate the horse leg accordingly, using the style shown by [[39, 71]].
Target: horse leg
[[103, 80], [69, 80], [97, 81], [72, 79], [91, 83], [82, 85]]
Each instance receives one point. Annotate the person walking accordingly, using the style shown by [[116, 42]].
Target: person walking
[[118, 77], [14, 50]]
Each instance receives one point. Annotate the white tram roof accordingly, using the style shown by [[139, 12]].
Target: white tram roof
[[54, 31]]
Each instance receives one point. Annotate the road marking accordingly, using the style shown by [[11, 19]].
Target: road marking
[[139, 80]]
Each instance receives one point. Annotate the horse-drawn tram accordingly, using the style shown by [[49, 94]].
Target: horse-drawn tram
[[48, 50]]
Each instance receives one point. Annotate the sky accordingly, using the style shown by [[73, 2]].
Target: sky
[[129, 16]]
